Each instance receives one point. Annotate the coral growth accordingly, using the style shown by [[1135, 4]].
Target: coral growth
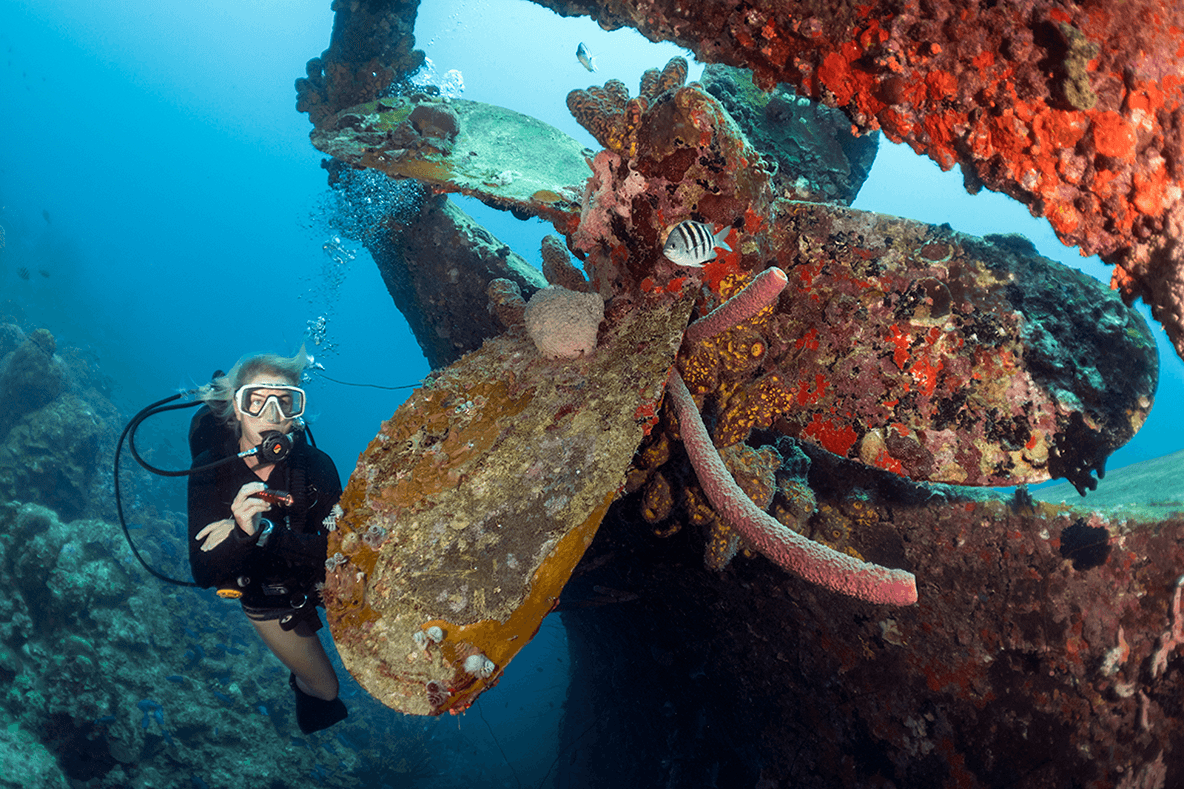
[[916, 351], [811, 149], [875, 328], [558, 268], [612, 117], [1074, 110], [371, 47]]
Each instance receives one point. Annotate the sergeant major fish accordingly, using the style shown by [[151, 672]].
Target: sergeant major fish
[[693, 243], [586, 59]]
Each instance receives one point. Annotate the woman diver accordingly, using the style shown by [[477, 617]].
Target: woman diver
[[256, 523]]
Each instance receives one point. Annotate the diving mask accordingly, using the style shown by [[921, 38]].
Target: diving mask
[[253, 399]]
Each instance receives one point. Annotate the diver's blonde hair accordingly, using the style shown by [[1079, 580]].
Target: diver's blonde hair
[[219, 393]]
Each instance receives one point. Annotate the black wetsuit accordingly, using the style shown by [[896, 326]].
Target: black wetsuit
[[277, 579]]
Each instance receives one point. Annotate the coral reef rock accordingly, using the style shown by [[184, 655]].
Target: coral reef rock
[[110, 678], [57, 426], [31, 377], [24, 757], [51, 456]]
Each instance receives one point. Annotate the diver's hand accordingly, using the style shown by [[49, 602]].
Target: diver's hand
[[215, 533], [247, 509]]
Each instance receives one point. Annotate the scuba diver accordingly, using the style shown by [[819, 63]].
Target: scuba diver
[[259, 494]]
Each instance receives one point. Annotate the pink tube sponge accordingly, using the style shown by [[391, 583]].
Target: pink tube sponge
[[563, 323], [756, 295], [803, 557]]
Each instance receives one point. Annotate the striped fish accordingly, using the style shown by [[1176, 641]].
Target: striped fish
[[585, 57], [693, 243]]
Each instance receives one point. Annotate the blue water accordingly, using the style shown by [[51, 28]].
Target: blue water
[[153, 164]]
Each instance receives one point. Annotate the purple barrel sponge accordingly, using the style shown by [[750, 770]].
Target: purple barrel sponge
[[563, 323]]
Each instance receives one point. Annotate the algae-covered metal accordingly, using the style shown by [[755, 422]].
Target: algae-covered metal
[[469, 510], [509, 160]]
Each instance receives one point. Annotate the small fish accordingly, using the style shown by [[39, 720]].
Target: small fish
[[693, 243], [585, 58], [23, 273], [193, 655]]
